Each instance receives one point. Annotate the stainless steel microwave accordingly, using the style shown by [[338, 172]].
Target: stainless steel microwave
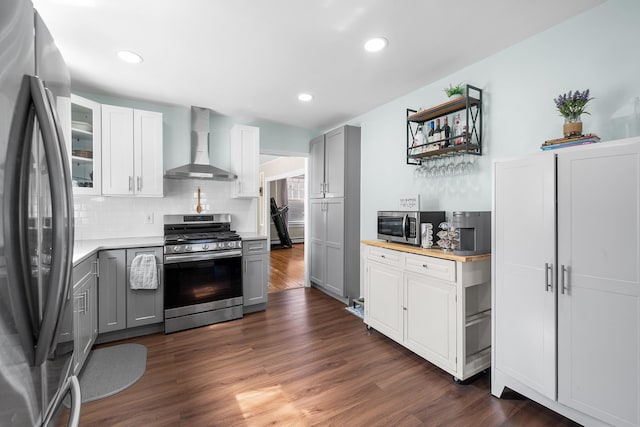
[[404, 226]]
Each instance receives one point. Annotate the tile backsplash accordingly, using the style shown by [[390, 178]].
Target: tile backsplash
[[101, 217]]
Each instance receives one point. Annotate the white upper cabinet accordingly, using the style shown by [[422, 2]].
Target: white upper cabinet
[[147, 152], [245, 161], [85, 147], [131, 152]]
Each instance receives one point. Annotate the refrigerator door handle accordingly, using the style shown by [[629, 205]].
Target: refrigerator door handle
[[15, 210], [72, 385], [60, 272]]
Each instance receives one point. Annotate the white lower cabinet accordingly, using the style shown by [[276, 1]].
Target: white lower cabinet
[[567, 281], [440, 309], [430, 312]]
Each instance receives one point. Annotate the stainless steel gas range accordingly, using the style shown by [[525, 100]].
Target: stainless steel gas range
[[203, 271]]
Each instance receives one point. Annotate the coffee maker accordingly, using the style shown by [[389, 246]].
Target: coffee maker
[[474, 229]]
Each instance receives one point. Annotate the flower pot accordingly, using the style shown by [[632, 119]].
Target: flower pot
[[572, 127]]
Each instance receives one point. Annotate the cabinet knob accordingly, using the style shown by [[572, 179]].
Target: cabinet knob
[[382, 256], [424, 265]]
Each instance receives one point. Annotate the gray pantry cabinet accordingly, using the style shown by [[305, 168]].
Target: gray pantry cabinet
[[334, 204], [255, 274], [120, 306]]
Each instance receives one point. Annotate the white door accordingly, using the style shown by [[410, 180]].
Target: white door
[[524, 244], [383, 297], [334, 163], [599, 304], [430, 319], [316, 168], [148, 153], [117, 150]]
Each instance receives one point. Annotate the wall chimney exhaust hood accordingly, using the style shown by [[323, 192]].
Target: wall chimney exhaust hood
[[200, 166]]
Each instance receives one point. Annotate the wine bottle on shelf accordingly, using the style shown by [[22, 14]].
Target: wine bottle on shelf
[[438, 132], [446, 132], [431, 137], [418, 141], [457, 129]]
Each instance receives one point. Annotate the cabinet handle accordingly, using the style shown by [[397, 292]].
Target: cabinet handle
[[130, 184], [563, 270], [382, 256], [96, 271], [548, 285], [322, 187], [139, 183], [82, 304], [404, 308], [326, 187], [424, 265]]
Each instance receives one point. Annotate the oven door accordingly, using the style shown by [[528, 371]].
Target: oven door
[[192, 279]]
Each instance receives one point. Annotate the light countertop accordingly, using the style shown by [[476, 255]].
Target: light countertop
[[436, 253], [251, 236], [85, 248]]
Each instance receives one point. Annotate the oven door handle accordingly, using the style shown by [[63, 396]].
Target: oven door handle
[[173, 259]]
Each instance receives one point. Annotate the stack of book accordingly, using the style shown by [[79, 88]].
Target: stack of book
[[552, 144]]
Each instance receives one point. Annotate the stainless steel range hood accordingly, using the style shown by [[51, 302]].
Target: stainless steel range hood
[[200, 166]]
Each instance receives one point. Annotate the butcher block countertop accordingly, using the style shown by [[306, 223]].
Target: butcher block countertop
[[436, 253]]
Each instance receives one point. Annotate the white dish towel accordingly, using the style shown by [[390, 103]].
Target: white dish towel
[[143, 273]]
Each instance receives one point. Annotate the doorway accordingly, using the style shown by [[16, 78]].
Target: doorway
[[283, 178]]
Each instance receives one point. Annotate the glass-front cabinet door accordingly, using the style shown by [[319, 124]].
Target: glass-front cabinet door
[[85, 146]]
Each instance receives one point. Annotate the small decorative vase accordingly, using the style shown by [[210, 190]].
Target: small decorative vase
[[572, 126]]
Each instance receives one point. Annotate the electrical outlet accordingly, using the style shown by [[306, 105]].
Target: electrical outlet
[[148, 218]]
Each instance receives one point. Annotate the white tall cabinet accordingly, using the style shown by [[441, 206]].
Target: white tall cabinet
[[334, 205], [567, 281], [131, 152]]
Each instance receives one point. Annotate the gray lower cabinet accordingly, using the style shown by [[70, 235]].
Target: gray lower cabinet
[[255, 272], [85, 309], [120, 306], [145, 306], [112, 296]]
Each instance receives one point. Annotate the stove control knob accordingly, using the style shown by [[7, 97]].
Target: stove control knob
[[205, 246], [188, 248], [176, 248]]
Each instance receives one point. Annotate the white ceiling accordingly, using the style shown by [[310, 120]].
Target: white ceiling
[[250, 58]]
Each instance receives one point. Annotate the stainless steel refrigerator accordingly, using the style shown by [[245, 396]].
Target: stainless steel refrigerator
[[36, 231]]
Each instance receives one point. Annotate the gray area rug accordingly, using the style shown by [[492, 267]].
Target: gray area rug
[[110, 370]]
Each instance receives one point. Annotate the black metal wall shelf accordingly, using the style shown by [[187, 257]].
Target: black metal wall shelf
[[467, 143]]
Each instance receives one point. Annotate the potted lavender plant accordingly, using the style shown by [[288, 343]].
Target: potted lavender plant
[[571, 106]]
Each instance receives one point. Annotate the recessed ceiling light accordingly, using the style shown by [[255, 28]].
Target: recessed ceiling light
[[376, 44], [130, 57], [305, 97]]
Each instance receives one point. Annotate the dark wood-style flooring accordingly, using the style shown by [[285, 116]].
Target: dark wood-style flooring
[[287, 268], [304, 361]]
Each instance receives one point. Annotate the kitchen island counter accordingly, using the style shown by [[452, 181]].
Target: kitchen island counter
[[436, 253], [83, 249]]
